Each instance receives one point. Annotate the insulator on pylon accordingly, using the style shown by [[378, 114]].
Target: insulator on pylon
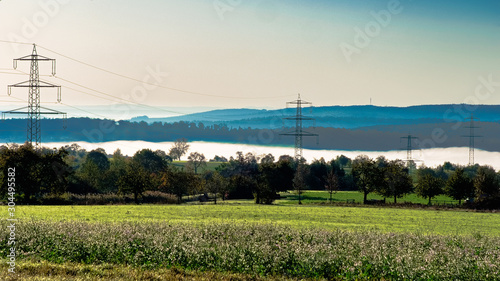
[[59, 94], [53, 67]]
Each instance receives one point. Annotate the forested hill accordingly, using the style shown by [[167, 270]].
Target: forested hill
[[349, 117], [382, 137]]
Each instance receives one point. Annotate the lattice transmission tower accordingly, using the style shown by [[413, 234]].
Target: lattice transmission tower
[[409, 147], [410, 162], [299, 132], [34, 84], [472, 137]]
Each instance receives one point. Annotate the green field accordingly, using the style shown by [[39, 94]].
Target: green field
[[313, 196], [210, 166], [322, 217], [247, 241], [239, 240]]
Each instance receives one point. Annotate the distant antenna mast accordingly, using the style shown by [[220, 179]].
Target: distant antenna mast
[[34, 84], [299, 132], [471, 137]]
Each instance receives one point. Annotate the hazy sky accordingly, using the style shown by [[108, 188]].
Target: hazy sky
[[258, 53]]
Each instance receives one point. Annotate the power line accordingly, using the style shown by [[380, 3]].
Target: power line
[[158, 85], [13, 73], [86, 111], [15, 42], [112, 96], [115, 98], [145, 82]]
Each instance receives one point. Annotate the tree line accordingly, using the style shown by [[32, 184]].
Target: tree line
[[71, 169], [381, 138]]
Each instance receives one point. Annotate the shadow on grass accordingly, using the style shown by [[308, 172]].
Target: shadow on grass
[[295, 197]]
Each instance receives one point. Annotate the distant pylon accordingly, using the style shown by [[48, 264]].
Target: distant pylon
[[299, 132], [471, 137], [409, 147], [34, 84]]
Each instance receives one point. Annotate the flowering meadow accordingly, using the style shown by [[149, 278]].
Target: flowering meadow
[[260, 249]]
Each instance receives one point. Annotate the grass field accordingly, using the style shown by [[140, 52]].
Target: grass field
[[313, 196], [210, 166], [41, 270], [255, 249], [322, 217], [244, 241]]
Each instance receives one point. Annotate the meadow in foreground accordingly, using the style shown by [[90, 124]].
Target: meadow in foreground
[[262, 249], [299, 217]]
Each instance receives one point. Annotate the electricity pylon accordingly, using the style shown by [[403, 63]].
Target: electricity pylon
[[298, 133], [471, 137], [410, 162], [409, 147], [34, 84]]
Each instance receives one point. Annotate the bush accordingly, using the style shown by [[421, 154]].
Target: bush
[[485, 204]]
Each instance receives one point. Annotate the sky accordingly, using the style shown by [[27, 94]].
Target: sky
[[196, 54]]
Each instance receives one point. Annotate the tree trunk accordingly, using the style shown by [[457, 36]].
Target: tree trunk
[[330, 197], [365, 195], [459, 201], [429, 201], [215, 199], [135, 198], [395, 199]]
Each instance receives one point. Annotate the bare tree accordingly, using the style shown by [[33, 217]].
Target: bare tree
[[179, 148], [197, 160], [332, 183], [299, 181]]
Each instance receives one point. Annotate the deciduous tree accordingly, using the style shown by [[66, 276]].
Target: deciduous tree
[[367, 175], [429, 185], [486, 183], [216, 184], [135, 180], [397, 180], [459, 186]]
